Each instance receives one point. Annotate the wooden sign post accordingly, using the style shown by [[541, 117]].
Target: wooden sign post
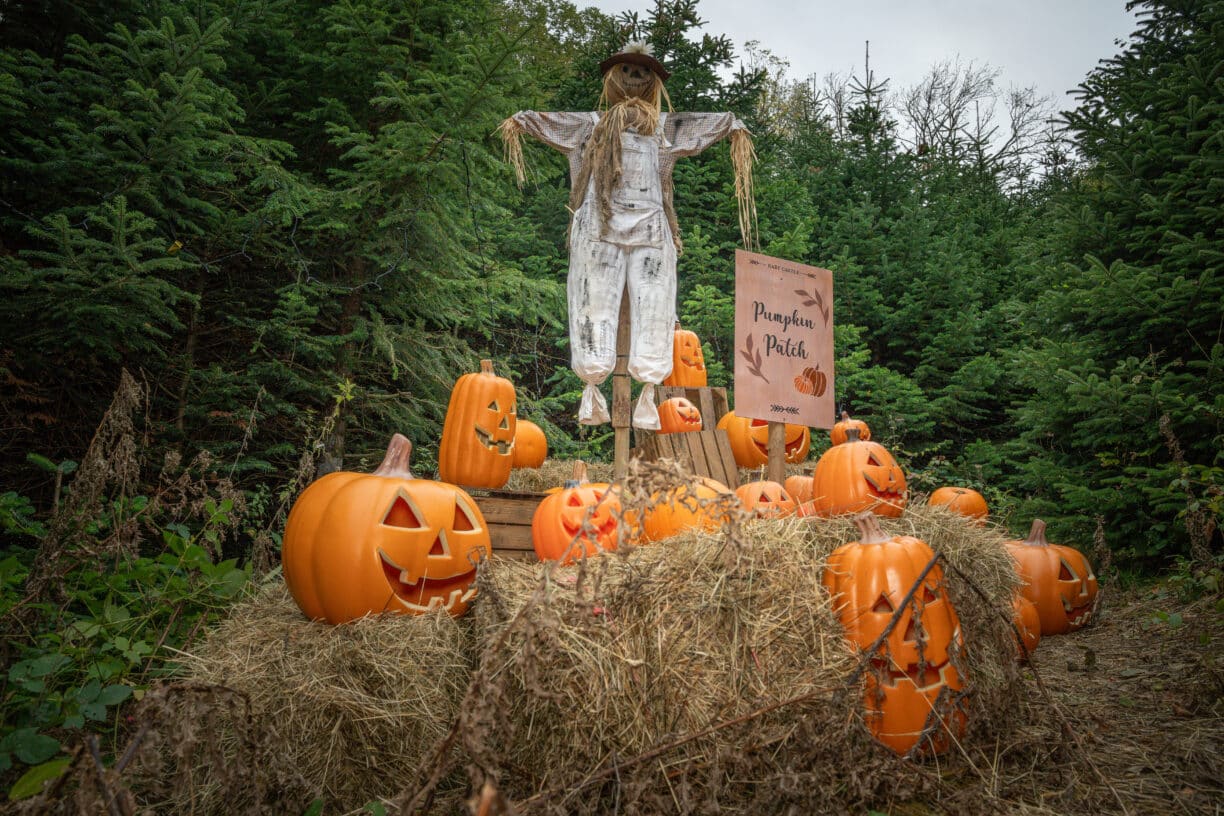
[[783, 347]]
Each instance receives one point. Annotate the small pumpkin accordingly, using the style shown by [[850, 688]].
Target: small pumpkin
[[766, 499], [913, 692], [750, 440], [837, 434], [799, 487], [477, 446], [678, 415], [1058, 579], [856, 476], [1028, 624], [358, 544], [701, 505], [688, 360], [530, 445], [961, 500], [577, 521]]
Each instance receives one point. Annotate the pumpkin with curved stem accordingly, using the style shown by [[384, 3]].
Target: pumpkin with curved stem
[[701, 505], [913, 692], [358, 544], [688, 361], [750, 440], [856, 476], [1028, 624], [477, 446], [1058, 579], [961, 500], [837, 434], [678, 415], [766, 499], [576, 522], [530, 445]]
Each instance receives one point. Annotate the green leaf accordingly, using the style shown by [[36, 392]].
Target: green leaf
[[314, 808], [115, 694], [31, 782], [30, 746], [94, 711]]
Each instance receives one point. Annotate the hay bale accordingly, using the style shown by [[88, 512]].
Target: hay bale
[[355, 708], [707, 668]]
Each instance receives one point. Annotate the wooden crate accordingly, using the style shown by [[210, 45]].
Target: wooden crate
[[508, 514], [705, 453]]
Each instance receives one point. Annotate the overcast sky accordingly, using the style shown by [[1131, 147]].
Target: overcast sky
[[1048, 44]]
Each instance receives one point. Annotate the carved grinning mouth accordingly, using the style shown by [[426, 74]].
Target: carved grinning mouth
[[1077, 614], [923, 677], [427, 593], [503, 447]]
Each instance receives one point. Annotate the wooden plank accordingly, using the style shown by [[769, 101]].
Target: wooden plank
[[714, 463], [696, 452], [498, 510], [511, 537], [727, 457]]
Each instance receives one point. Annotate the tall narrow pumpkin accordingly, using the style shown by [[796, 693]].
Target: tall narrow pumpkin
[[1057, 578], [688, 360], [913, 690], [477, 447]]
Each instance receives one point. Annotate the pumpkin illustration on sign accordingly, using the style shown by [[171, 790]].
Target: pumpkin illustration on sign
[[812, 382], [914, 689], [477, 447], [577, 521], [857, 476], [358, 544], [678, 415], [688, 360], [750, 440], [1058, 579]]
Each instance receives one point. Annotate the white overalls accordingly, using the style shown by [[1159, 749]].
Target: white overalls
[[635, 248]]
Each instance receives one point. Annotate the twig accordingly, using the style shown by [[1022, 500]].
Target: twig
[[100, 776]]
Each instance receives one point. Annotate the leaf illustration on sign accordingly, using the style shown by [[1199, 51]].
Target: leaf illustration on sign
[[753, 358], [814, 298]]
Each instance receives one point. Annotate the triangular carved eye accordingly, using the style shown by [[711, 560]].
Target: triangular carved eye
[[493, 406], [872, 460], [403, 515], [883, 605], [504, 425], [1065, 573], [464, 521], [574, 500]]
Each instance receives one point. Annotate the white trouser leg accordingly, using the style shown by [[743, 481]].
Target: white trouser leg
[[596, 280], [652, 312]]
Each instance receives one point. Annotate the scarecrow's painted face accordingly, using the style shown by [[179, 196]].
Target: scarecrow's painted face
[[626, 81]]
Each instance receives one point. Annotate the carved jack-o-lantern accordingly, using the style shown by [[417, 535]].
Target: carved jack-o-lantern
[[856, 476], [750, 440], [477, 446], [913, 688], [530, 445], [1058, 579], [837, 435], [362, 543], [578, 521], [766, 499], [678, 415], [688, 361], [962, 500]]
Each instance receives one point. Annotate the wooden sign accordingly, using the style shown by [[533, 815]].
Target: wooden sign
[[783, 341]]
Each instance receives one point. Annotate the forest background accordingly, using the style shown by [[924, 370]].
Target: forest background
[[244, 242]]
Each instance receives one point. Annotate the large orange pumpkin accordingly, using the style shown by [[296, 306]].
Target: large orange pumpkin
[[578, 521], [837, 434], [702, 505], [766, 499], [530, 445], [961, 500], [856, 476], [688, 361], [913, 692], [750, 440], [358, 544], [678, 415], [477, 447], [1057, 578]]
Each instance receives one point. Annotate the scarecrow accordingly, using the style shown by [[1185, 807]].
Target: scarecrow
[[623, 230]]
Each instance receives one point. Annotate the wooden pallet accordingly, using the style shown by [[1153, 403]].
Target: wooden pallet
[[704, 453], [508, 514]]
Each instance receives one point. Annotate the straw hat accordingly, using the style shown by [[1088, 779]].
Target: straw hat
[[636, 53]]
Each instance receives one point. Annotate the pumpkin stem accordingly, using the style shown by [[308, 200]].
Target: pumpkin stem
[[486, 366], [1037, 536], [845, 416], [868, 525], [395, 463], [677, 326], [852, 434], [579, 476]]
